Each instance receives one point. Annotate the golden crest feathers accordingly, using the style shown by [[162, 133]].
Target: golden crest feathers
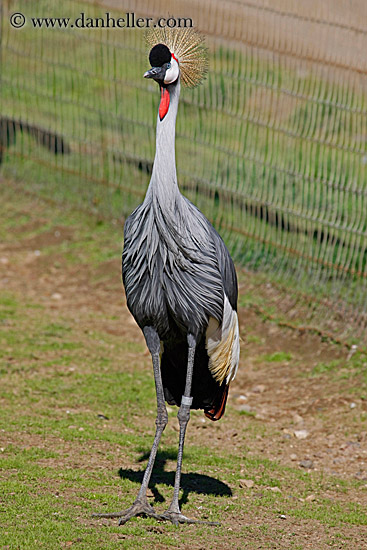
[[188, 47]]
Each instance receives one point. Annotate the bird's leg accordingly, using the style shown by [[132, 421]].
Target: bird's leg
[[141, 505], [174, 513]]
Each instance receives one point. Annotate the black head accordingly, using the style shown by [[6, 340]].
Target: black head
[[164, 65], [159, 55]]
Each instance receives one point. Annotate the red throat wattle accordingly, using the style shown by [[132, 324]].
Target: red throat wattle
[[164, 104]]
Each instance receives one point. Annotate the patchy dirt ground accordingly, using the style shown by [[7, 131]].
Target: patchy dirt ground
[[301, 406], [281, 392]]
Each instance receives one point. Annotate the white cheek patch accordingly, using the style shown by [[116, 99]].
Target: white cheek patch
[[172, 73]]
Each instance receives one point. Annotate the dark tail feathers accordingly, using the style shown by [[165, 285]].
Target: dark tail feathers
[[219, 406]]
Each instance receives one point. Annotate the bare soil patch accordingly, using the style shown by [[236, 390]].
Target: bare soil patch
[[289, 414]]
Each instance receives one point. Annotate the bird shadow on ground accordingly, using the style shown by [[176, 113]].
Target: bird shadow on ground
[[191, 483]]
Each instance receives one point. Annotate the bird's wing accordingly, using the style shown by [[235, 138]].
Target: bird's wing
[[227, 269], [225, 262], [222, 337]]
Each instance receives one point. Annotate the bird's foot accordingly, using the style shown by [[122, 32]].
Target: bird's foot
[[178, 517], [140, 508]]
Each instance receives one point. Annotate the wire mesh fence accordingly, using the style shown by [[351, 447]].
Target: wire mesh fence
[[272, 147]]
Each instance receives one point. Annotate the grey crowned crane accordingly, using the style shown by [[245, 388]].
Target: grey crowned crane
[[180, 281]]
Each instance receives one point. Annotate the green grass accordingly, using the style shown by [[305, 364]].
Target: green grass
[[236, 148], [352, 370], [77, 421], [277, 357]]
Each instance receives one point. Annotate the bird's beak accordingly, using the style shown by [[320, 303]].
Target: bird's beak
[[158, 73]]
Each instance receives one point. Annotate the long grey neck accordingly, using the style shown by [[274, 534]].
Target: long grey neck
[[163, 183]]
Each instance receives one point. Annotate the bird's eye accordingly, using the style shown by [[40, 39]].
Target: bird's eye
[[168, 65]]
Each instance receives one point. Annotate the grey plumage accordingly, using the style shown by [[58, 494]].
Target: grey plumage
[[176, 268], [181, 288]]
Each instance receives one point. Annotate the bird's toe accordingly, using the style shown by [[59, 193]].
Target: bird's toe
[[178, 517], [139, 508]]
